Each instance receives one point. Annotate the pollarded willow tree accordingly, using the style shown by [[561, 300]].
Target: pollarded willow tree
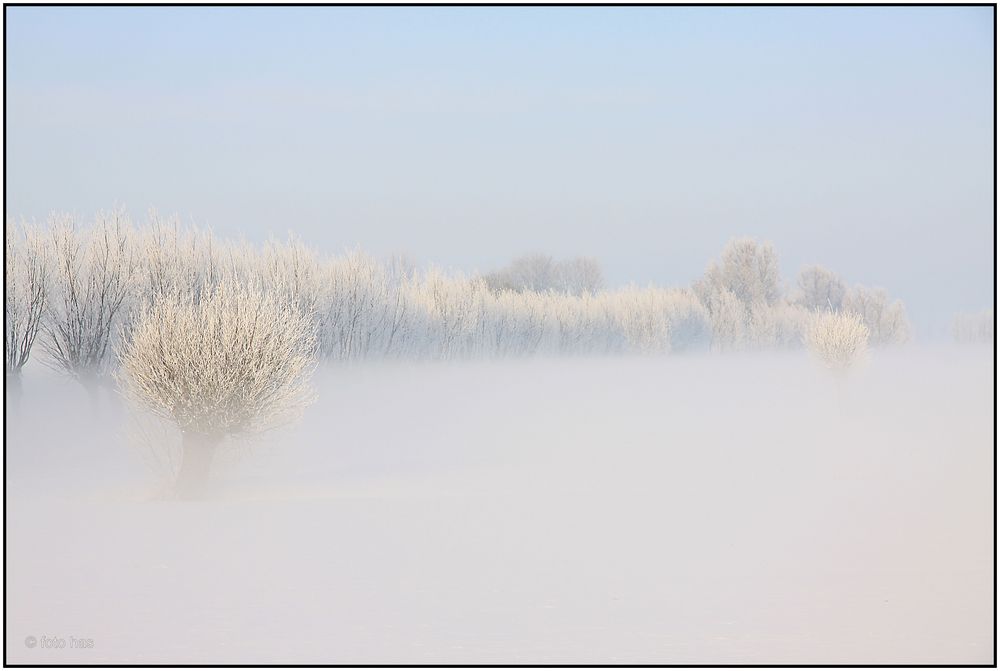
[[92, 276], [233, 362], [26, 276]]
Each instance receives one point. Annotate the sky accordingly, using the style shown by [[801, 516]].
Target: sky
[[861, 139]]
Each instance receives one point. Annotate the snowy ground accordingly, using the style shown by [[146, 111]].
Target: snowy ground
[[703, 509]]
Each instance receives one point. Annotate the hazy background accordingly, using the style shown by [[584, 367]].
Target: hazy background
[[859, 138]]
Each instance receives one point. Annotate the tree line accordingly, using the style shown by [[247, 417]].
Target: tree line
[[76, 291]]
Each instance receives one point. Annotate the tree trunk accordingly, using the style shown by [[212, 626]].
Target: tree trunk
[[91, 386], [196, 465], [94, 394], [12, 387]]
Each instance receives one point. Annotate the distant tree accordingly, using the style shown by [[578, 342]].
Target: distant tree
[[26, 279], [362, 308], [295, 274], [643, 319], [578, 276], [738, 291], [886, 321], [729, 317], [979, 327], [540, 272], [780, 325], [690, 321], [820, 289], [534, 272], [234, 362], [172, 259], [747, 269]]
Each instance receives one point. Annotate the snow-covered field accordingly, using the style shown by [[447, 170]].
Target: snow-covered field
[[702, 509]]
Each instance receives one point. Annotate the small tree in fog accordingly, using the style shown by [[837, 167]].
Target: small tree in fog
[[738, 291], [234, 362], [838, 340], [748, 269], [92, 275], [540, 272], [535, 272], [579, 276], [820, 289], [26, 271], [974, 328], [886, 321], [174, 259], [729, 320], [780, 325]]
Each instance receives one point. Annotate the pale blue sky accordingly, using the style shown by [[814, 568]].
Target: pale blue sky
[[859, 138]]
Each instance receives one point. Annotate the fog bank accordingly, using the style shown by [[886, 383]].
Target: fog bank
[[698, 509]]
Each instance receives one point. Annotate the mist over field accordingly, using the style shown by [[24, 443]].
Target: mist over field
[[633, 510]]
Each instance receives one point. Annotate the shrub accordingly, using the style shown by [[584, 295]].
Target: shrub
[[838, 340], [886, 322]]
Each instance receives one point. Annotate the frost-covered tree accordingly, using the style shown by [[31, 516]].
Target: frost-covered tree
[[839, 340], [978, 327], [729, 319], [363, 309], [26, 279], [92, 276], [748, 269], [236, 361], [643, 320], [820, 289], [174, 259], [578, 276], [739, 291], [886, 321], [690, 322], [452, 310], [585, 324], [540, 272], [533, 272], [516, 324], [656, 320], [294, 273], [777, 326]]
